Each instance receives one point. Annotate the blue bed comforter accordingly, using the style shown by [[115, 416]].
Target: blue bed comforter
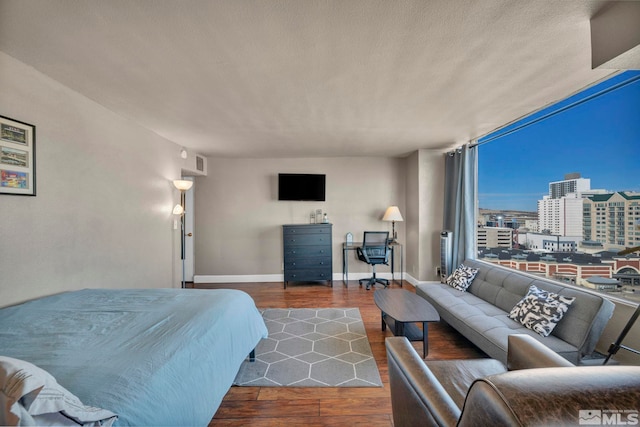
[[153, 356]]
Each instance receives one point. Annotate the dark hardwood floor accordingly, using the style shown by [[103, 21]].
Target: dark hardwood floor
[[320, 406]]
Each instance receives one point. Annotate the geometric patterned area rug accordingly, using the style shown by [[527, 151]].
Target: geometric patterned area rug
[[312, 347]]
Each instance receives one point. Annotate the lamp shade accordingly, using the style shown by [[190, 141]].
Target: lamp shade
[[182, 184], [178, 210], [392, 214]]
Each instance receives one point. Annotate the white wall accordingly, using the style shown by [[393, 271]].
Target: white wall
[[239, 220], [102, 214]]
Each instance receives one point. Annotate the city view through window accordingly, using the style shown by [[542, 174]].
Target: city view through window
[[559, 191]]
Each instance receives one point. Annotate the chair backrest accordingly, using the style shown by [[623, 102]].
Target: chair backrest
[[375, 247], [375, 238]]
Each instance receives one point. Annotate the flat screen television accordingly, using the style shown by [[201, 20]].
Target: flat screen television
[[302, 187]]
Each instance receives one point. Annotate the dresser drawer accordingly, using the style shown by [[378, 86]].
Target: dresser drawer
[[291, 252], [294, 230], [307, 239], [308, 274], [297, 263]]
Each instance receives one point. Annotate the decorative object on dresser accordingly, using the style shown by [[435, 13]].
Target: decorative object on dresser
[[307, 253]]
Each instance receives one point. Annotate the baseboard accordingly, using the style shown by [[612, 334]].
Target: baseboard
[[267, 278], [240, 278]]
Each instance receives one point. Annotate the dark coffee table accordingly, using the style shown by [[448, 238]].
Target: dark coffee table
[[401, 310]]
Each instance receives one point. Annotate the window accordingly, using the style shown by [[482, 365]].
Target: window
[[568, 168]]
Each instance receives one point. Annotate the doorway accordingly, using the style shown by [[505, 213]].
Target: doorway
[[189, 217]]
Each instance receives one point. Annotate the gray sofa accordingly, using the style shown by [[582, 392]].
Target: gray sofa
[[481, 313]]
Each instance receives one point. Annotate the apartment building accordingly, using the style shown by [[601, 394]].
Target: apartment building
[[560, 212], [572, 183], [612, 219], [562, 216], [495, 237]]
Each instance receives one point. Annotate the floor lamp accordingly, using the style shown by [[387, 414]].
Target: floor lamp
[[183, 185]]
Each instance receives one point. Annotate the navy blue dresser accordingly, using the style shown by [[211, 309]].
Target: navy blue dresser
[[307, 253]]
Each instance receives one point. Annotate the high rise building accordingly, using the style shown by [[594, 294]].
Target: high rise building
[[611, 219], [562, 216], [572, 183], [560, 213]]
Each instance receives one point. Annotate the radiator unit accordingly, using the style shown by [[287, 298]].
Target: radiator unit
[[445, 255]]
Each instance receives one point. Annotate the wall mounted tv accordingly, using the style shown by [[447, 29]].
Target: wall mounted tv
[[303, 187]]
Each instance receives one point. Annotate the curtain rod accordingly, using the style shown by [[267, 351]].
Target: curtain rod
[[565, 108]]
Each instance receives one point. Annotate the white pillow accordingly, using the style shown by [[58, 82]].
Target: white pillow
[[31, 396], [540, 310], [462, 278]]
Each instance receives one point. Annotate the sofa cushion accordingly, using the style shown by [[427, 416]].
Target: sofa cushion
[[540, 310]]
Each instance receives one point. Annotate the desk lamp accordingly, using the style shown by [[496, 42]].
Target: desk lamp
[[392, 214]]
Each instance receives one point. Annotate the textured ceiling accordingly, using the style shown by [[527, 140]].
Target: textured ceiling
[[309, 78]]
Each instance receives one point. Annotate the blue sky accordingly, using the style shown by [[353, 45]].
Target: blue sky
[[599, 138]]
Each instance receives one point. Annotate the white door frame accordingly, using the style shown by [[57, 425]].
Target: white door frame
[[189, 263]]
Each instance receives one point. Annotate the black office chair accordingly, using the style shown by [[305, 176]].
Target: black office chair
[[374, 251]]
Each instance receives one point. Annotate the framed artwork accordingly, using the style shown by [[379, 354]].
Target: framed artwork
[[17, 157]]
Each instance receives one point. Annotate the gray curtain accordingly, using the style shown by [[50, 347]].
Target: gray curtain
[[460, 190]]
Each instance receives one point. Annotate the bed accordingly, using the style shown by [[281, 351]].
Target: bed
[[151, 356]]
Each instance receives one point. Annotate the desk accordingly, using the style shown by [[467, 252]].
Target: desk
[[395, 245]]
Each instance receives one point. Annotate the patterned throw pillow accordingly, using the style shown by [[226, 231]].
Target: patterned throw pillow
[[540, 310], [462, 277]]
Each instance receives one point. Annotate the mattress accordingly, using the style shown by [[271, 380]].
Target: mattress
[[152, 356]]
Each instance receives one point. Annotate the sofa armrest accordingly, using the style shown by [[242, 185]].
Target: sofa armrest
[[417, 397], [525, 352]]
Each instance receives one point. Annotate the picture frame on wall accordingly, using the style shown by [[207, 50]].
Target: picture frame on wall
[[17, 157]]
